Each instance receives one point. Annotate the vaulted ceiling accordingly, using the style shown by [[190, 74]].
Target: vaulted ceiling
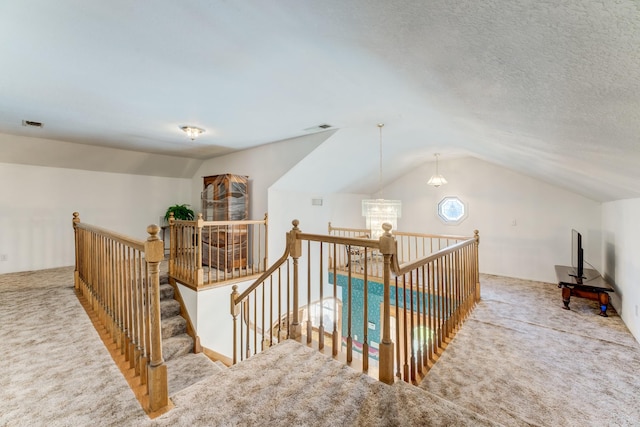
[[550, 89]]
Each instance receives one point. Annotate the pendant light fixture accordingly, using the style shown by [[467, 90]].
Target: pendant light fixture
[[379, 211], [437, 180]]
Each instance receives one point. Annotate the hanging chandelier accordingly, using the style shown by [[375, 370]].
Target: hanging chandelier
[[437, 180], [379, 211]]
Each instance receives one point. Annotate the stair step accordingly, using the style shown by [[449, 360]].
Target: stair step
[[169, 308], [173, 326], [176, 346], [189, 369], [166, 292]]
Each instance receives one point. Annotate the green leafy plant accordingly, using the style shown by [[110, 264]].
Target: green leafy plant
[[182, 212]]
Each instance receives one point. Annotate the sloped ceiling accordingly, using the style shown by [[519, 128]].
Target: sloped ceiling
[[550, 89]]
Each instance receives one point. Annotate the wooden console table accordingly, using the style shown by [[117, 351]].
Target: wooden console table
[[593, 286]]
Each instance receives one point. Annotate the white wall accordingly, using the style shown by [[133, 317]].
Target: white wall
[[496, 197], [61, 154], [37, 203], [263, 165], [342, 210], [621, 258]]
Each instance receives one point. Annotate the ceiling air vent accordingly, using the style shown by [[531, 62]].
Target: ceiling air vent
[[32, 124], [323, 126]]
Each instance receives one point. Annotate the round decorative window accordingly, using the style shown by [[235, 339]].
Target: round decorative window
[[452, 210]]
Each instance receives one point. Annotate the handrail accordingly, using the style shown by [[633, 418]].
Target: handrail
[[118, 278], [429, 297], [412, 265], [264, 276], [120, 238]]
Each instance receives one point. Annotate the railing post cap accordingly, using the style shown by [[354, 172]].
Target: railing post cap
[[387, 227], [76, 217], [153, 231], [295, 224]]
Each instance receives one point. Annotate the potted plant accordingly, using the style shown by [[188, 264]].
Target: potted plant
[[182, 212]]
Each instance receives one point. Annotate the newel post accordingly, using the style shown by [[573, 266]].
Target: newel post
[[295, 249], [235, 310], [387, 248], [76, 237], [157, 372], [476, 235]]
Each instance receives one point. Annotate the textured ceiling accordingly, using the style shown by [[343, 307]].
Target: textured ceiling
[[550, 89]]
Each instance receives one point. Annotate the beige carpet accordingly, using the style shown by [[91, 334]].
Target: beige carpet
[[523, 360], [519, 360]]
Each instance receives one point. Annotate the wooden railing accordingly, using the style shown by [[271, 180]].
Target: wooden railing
[[426, 298], [207, 253], [411, 246], [118, 278]]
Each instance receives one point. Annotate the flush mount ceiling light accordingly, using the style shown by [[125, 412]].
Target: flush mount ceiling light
[[379, 211], [437, 180], [192, 131]]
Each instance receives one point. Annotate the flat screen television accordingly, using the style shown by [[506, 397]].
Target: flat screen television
[[577, 256]]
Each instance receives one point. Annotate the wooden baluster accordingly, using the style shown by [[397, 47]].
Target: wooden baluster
[[255, 321], [476, 268], [158, 391], [120, 304], [321, 281], [144, 332], [450, 296], [199, 279], [440, 303], [243, 326], [271, 319], [447, 298], [282, 335], [405, 323], [130, 306], [349, 309], [420, 333], [309, 325], [262, 316], [424, 322], [365, 322], [430, 311], [398, 323], [334, 337], [288, 312], [76, 241], [147, 315]]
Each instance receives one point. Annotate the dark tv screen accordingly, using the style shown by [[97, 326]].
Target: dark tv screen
[[577, 254]]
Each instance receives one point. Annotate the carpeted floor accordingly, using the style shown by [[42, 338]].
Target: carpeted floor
[[519, 360], [522, 360]]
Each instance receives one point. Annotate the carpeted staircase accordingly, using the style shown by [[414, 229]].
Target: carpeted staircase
[[184, 368], [175, 340]]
